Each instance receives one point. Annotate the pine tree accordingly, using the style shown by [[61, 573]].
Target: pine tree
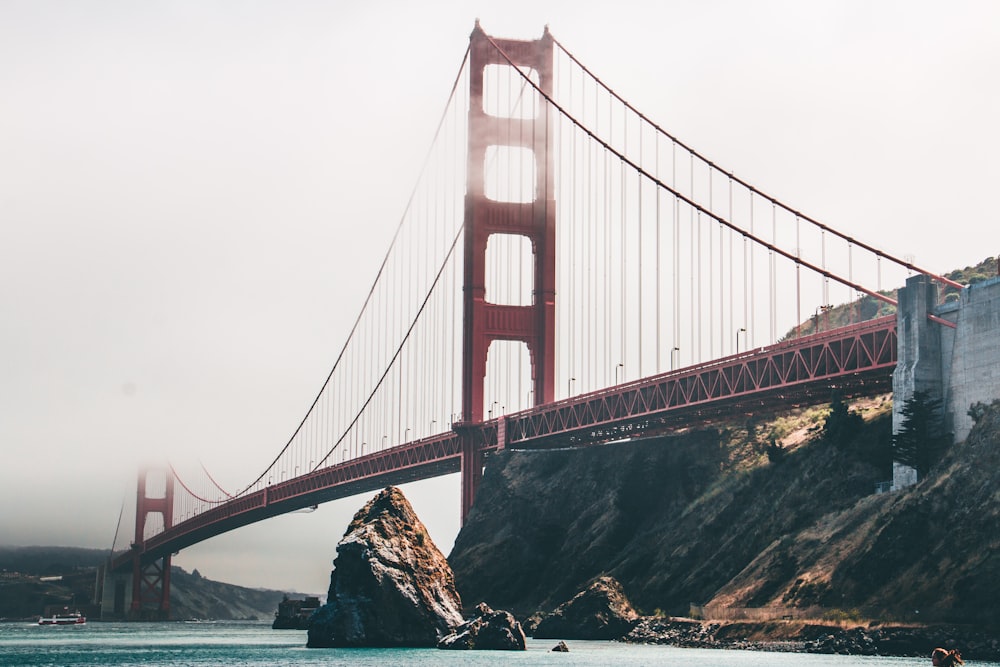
[[921, 440], [841, 424]]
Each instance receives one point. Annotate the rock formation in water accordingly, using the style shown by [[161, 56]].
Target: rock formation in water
[[600, 612], [489, 631], [390, 585]]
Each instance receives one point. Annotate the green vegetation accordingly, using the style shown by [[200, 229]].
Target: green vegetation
[[921, 439], [841, 424], [867, 307], [979, 410]]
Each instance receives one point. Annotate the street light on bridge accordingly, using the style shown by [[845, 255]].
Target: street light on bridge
[[742, 330], [621, 365]]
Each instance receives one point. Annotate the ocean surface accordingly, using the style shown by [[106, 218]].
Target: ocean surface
[[257, 645]]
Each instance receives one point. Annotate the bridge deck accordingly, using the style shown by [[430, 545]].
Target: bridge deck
[[856, 360]]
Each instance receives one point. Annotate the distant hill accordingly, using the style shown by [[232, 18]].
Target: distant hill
[[27, 587], [868, 307]]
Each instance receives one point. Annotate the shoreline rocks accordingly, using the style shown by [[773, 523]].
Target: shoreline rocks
[[390, 585], [601, 611], [798, 637], [489, 630]]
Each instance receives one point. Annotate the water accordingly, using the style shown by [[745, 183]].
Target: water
[[257, 645]]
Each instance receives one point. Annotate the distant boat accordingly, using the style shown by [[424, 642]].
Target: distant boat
[[64, 618]]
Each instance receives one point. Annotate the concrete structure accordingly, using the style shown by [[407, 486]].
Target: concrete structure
[[959, 366]]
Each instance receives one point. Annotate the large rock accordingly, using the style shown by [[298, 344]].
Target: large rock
[[600, 612], [390, 585], [489, 631]]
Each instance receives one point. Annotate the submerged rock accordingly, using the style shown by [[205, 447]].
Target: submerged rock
[[489, 631], [390, 585], [600, 612]]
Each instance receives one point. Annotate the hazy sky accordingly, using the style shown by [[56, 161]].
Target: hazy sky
[[194, 197]]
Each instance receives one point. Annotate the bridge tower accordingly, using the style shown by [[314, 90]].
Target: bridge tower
[[485, 322], [151, 581]]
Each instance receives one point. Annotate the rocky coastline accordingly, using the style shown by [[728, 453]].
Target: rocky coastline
[[804, 637]]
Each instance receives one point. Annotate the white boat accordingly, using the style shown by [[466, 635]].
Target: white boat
[[64, 618]]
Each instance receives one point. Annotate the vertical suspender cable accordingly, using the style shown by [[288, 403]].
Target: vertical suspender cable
[[711, 272], [732, 260], [658, 340], [753, 311], [798, 276], [695, 270], [639, 253], [772, 270]]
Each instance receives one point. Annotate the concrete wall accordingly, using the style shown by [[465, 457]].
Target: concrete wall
[[972, 363], [918, 363], [959, 366]]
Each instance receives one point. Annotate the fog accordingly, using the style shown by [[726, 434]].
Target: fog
[[194, 197]]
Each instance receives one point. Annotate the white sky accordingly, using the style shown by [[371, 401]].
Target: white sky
[[194, 197]]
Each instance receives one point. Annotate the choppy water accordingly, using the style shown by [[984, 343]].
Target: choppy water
[[257, 645]]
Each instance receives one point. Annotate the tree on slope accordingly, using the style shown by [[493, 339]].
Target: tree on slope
[[921, 439]]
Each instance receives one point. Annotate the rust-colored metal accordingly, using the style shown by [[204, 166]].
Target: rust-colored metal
[[151, 579], [857, 359], [485, 322]]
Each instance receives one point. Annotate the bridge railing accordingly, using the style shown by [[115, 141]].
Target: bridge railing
[[861, 354], [427, 457]]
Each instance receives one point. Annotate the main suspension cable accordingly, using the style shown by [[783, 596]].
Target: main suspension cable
[[754, 190]]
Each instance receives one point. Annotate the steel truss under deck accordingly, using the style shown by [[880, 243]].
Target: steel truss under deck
[[856, 360]]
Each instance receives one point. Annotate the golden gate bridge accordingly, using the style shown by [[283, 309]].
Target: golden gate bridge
[[566, 273]]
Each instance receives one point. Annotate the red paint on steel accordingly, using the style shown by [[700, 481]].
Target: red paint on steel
[[151, 580], [484, 322], [857, 360]]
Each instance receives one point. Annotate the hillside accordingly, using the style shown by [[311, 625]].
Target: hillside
[[868, 307], [23, 593], [710, 518]]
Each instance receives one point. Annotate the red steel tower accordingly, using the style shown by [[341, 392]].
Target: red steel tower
[[485, 322], [151, 582]]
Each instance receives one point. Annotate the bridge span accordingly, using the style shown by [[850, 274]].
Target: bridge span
[[661, 254], [857, 360]]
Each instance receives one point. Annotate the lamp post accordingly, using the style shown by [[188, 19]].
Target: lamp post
[[676, 351], [622, 367], [569, 387], [742, 330]]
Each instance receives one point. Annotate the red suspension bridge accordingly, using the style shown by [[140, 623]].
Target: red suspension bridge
[[566, 273]]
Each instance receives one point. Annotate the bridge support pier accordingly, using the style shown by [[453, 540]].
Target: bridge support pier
[[958, 365], [472, 473], [151, 581], [918, 367]]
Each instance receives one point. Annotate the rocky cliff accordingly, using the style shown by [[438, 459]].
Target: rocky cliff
[[710, 518], [390, 585]]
